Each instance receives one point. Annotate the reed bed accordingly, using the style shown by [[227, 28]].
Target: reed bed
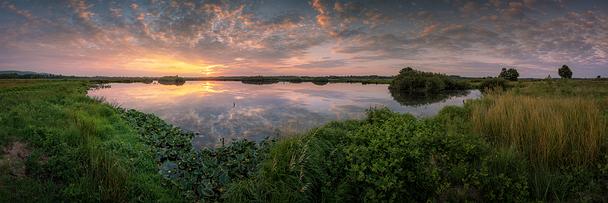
[[549, 131]]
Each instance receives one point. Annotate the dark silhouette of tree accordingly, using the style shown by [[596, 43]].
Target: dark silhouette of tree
[[565, 72], [509, 74]]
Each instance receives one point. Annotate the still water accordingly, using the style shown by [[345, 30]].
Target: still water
[[234, 110]]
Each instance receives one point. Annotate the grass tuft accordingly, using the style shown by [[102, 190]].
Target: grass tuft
[[550, 131]]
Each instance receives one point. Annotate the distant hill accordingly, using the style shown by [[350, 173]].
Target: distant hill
[[16, 72]]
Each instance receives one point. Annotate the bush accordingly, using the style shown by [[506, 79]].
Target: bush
[[387, 157], [505, 177], [493, 84], [171, 80], [303, 168], [414, 81]]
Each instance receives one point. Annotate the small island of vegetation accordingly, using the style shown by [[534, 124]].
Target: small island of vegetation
[[171, 80], [415, 82]]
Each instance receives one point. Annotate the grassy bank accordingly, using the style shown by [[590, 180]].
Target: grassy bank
[[551, 131], [60, 145], [526, 144]]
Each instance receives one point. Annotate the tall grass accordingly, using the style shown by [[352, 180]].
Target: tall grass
[[549, 131], [81, 149]]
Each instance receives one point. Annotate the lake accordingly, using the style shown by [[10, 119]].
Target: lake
[[234, 110]]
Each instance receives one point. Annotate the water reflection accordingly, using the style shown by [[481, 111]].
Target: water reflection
[[234, 110], [177, 82], [416, 99]]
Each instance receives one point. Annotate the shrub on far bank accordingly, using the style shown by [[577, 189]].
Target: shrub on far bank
[[171, 80], [415, 81], [493, 84]]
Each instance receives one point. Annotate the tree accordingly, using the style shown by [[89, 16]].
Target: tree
[[509, 74], [599, 77], [565, 72]]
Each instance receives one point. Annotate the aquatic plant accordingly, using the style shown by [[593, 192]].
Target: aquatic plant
[[200, 174]]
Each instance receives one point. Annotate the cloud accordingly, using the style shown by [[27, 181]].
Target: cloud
[[11, 7], [323, 18], [277, 37], [469, 8], [82, 9]]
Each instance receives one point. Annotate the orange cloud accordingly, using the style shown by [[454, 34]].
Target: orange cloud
[[429, 29], [323, 18]]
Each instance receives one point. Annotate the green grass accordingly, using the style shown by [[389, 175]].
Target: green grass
[[559, 126], [77, 149], [553, 131]]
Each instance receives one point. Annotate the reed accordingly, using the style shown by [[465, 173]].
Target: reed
[[549, 131]]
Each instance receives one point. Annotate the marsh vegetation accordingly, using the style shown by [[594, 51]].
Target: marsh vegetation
[[414, 81], [542, 140]]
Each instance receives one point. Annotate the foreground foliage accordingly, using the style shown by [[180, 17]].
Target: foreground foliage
[[198, 174], [551, 131], [539, 141], [389, 156], [60, 145]]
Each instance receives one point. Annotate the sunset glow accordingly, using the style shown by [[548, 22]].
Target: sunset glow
[[168, 66]]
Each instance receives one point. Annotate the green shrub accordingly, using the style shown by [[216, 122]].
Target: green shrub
[[414, 81], [386, 157], [171, 80], [504, 177], [493, 84]]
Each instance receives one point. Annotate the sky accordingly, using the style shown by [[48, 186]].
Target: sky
[[303, 37]]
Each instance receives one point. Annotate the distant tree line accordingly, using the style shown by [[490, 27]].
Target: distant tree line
[[31, 76], [511, 73]]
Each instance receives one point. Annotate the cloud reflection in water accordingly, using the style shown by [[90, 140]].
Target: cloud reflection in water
[[233, 110]]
